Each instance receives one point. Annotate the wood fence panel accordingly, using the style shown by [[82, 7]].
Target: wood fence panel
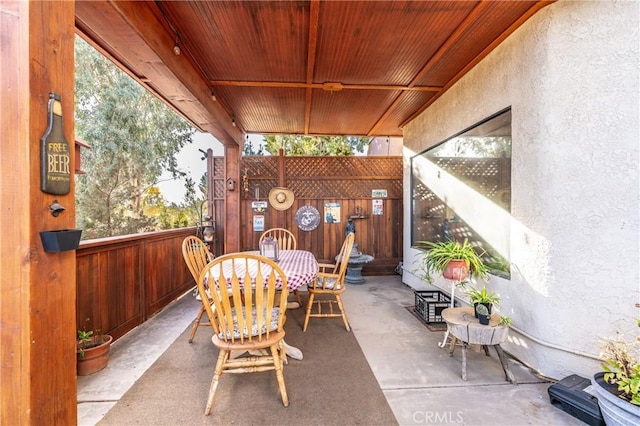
[[316, 181], [122, 281]]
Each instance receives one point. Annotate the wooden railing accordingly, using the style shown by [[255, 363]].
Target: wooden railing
[[123, 281]]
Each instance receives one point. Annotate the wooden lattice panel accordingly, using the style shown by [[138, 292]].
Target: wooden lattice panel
[[389, 167], [316, 181], [485, 175], [259, 166], [326, 177]]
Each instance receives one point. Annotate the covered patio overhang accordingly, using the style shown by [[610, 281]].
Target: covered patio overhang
[[297, 67], [300, 67]]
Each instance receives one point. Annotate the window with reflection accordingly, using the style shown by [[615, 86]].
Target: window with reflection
[[461, 188]]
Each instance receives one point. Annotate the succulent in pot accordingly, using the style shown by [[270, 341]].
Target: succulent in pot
[[483, 314]]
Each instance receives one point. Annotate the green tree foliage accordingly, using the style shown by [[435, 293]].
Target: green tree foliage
[[134, 137], [250, 150], [315, 145]]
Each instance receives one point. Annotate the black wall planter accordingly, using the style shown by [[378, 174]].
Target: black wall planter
[[62, 240]]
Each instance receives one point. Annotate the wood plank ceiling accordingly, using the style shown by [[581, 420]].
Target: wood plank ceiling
[[299, 67]]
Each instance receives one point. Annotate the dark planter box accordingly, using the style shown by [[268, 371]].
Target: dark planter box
[[62, 240], [429, 305], [570, 396]]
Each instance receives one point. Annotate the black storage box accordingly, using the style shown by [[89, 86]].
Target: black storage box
[[429, 305], [570, 396]]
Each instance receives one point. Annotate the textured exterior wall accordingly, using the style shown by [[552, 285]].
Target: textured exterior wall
[[571, 77]]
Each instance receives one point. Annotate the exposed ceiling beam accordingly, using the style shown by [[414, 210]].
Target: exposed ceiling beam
[[140, 17], [314, 13], [535, 8], [329, 86]]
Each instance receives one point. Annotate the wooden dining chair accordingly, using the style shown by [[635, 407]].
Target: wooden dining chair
[[329, 285], [286, 241], [196, 256], [248, 318]]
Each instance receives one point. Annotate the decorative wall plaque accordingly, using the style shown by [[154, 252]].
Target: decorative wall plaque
[[55, 155], [307, 218]]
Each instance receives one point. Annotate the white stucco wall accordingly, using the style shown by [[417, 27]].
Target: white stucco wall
[[571, 77]]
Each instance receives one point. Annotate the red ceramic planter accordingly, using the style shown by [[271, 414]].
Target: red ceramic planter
[[95, 358], [456, 270]]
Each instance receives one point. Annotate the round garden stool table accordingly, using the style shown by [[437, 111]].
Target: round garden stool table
[[464, 326]]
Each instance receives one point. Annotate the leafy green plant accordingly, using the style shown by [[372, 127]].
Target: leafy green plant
[[621, 363], [89, 339], [438, 255], [483, 296], [85, 338], [505, 320]]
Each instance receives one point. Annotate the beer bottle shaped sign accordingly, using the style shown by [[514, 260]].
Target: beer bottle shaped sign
[[55, 155]]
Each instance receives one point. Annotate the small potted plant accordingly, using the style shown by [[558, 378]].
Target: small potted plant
[[483, 315], [92, 353], [618, 386], [451, 259], [483, 297]]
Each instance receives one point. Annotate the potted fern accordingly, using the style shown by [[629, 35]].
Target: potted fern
[[451, 259]]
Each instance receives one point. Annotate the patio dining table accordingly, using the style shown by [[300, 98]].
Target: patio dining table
[[300, 267]]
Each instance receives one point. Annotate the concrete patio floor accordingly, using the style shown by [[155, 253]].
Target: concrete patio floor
[[420, 381]]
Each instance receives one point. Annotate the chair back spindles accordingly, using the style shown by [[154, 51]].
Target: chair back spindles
[[249, 316], [286, 239], [249, 307], [330, 281], [196, 255]]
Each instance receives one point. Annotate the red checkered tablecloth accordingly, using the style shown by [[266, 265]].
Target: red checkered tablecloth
[[299, 266]]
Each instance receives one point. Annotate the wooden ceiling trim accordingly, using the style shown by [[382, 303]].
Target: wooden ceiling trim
[[146, 25], [386, 114], [532, 10], [427, 66], [314, 12], [330, 87], [455, 36]]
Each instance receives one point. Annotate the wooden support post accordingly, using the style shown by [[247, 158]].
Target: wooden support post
[[232, 231], [38, 289]]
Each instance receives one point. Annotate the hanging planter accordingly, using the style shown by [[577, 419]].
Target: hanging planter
[[61, 240]]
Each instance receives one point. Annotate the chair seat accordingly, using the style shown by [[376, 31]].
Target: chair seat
[[274, 337], [331, 284], [237, 334], [326, 284]]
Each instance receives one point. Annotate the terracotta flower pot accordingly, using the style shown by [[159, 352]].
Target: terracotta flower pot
[[456, 270], [95, 358]]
